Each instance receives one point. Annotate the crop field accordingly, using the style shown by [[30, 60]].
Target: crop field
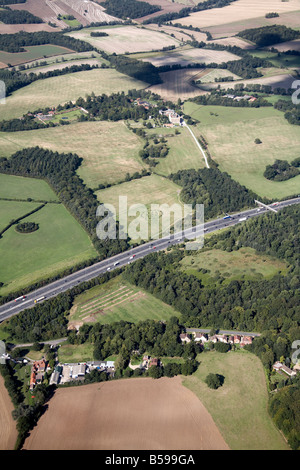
[[118, 300], [240, 11], [126, 39], [59, 243], [153, 189], [32, 53], [288, 46], [179, 33], [86, 11], [58, 90], [47, 10], [188, 55], [178, 84], [133, 422], [244, 263], [244, 423], [231, 132], [29, 28], [8, 430], [105, 160], [167, 6]]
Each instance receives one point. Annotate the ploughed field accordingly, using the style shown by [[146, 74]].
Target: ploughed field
[[129, 414]]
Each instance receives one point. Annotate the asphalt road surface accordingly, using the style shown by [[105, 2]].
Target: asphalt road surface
[[122, 259]]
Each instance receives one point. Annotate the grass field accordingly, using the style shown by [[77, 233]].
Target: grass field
[[183, 151], [231, 132], [59, 243], [32, 53], [18, 187], [118, 300], [153, 189], [239, 407], [125, 39], [109, 149], [244, 263], [12, 210], [58, 90]]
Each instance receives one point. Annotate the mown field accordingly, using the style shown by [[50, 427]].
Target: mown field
[[239, 407], [58, 90], [231, 132], [153, 189], [109, 149], [59, 243], [125, 39], [118, 300], [241, 264]]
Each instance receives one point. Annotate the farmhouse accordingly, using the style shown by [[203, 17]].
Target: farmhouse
[[37, 373]]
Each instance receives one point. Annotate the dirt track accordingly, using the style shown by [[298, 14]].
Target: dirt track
[[128, 414]]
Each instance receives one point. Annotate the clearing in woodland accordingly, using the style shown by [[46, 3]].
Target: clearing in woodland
[[118, 300]]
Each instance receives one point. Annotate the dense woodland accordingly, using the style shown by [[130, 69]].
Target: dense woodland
[[268, 35], [216, 190], [218, 98], [9, 16], [129, 8]]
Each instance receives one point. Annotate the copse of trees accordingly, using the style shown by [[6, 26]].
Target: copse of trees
[[129, 8], [282, 170], [268, 35], [291, 111]]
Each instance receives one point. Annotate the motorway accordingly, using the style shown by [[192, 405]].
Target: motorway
[[68, 282]]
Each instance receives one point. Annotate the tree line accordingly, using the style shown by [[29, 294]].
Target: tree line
[[8, 16], [59, 170]]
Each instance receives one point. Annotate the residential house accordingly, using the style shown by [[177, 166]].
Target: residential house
[[184, 338]]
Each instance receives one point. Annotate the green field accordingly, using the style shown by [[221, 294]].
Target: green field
[[231, 132], [59, 243], [148, 190], [244, 263], [183, 151], [109, 149], [118, 300], [12, 210], [32, 53], [58, 90], [239, 407], [19, 187]]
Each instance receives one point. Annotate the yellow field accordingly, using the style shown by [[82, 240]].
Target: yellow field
[[241, 10]]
